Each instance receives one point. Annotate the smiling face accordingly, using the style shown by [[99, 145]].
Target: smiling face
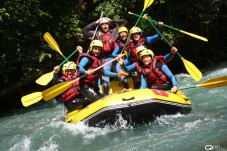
[[69, 72], [96, 50], [146, 59], [123, 35], [105, 27], [136, 36]]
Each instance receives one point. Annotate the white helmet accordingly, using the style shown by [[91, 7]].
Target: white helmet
[[104, 20], [69, 65]]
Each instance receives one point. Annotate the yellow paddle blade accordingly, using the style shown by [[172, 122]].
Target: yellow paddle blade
[[32, 98], [194, 35], [192, 70], [56, 90], [45, 79], [147, 3], [213, 83], [50, 40]]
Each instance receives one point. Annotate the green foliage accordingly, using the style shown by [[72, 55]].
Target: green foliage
[[23, 23], [43, 55]]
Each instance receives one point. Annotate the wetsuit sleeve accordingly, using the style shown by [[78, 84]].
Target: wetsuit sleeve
[[151, 39], [168, 57], [169, 74], [127, 60], [89, 30], [116, 51], [131, 67], [84, 62], [143, 82]]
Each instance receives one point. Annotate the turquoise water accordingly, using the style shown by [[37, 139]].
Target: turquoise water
[[41, 127]]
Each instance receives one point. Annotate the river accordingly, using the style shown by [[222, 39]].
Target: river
[[41, 127]]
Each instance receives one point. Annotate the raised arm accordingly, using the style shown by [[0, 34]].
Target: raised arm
[[89, 30]]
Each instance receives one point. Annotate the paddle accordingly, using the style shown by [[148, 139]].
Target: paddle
[[211, 83], [178, 30], [97, 26], [190, 67], [32, 98], [46, 78], [61, 87], [96, 29], [53, 44], [147, 3]]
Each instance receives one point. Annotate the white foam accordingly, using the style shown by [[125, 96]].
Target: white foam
[[49, 145], [193, 124], [24, 145], [168, 119]]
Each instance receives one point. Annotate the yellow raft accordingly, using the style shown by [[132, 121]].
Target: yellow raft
[[135, 106]]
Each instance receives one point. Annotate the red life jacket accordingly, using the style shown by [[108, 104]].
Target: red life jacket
[[73, 91], [154, 75], [89, 79], [132, 46], [108, 41], [121, 44]]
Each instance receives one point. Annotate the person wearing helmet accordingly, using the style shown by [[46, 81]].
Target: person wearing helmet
[[154, 73], [107, 33], [105, 25], [121, 40], [89, 62], [136, 40], [72, 97]]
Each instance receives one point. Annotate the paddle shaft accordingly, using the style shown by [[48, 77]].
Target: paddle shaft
[[155, 22], [191, 68], [173, 28], [51, 92], [146, 4], [96, 29], [211, 83], [61, 87], [66, 59], [171, 46]]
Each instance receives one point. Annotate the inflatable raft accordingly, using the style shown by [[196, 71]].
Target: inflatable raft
[[135, 106]]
